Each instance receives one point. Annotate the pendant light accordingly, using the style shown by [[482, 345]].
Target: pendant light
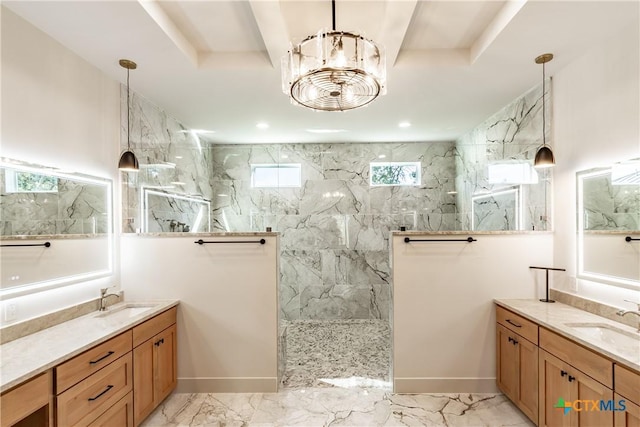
[[128, 161], [544, 155], [334, 70]]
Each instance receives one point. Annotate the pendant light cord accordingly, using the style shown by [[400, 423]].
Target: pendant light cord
[[544, 109], [128, 113], [333, 14]]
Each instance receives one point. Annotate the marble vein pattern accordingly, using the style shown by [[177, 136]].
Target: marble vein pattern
[[330, 353], [511, 135], [335, 226], [608, 206], [73, 208], [337, 407]]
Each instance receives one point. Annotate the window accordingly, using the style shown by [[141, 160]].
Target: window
[[276, 175], [394, 173], [512, 173], [27, 182]]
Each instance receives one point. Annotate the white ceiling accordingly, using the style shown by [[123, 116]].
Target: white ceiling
[[215, 65]]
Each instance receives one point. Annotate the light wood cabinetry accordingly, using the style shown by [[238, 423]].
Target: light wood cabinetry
[[92, 360], [517, 370], [120, 414], [29, 404], [155, 363], [96, 387], [630, 417], [576, 386], [561, 384], [84, 402], [627, 389]]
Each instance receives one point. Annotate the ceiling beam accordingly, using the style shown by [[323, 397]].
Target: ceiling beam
[[396, 20], [272, 27], [495, 27], [172, 31]]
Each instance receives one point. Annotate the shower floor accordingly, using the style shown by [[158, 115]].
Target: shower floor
[[337, 353]]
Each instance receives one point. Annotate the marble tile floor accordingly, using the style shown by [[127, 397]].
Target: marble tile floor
[[336, 407], [343, 353]]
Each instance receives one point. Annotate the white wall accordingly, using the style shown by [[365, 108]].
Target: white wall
[[60, 111], [596, 122], [443, 311], [227, 317]]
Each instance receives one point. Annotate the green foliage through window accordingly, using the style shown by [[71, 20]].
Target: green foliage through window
[[27, 182], [395, 173]]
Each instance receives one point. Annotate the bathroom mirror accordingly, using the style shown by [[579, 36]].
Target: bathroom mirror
[[609, 224], [55, 227]]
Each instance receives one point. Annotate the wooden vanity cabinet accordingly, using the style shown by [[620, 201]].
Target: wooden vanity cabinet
[[627, 388], [517, 361], [92, 383], [29, 404], [572, 373], [154, 363]]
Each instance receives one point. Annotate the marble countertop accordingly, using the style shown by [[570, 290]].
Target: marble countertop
[[26, 357], [217, 234], [557, 316]]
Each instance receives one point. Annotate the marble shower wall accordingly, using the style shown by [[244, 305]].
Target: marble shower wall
[[511, 135], [173, 161], [335, 227]]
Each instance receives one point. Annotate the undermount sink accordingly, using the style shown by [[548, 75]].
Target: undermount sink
[[608, 334], [125, 311]]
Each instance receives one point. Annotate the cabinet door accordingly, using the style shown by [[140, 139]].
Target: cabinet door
[[165, 364], [554, 389], [630, 417], [143, 394], [588, 389], [507, 363], [528, 378]]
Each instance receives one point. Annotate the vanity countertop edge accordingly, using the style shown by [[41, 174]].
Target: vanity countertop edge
[[554, 317], [26, 357]]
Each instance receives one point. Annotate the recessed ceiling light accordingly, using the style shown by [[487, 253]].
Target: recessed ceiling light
[[178, 157], [382, 156], [326, 130], [177, 183], [404, 124], [262, 125]]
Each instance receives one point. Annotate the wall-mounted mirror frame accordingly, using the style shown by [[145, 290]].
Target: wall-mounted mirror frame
[[608, 224], [70, 241]]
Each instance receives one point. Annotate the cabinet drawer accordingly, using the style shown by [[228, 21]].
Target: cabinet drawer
[[518, 324], [87, 400], [92, 360], [153, 327], [25, 399], [120, 414], [627, 384], [592, 364]]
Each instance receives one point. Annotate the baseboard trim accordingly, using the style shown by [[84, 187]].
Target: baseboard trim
[[227, 385], [445, 385]]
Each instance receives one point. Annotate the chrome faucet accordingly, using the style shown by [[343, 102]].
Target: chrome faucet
[[103, 298], [625, 312]]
